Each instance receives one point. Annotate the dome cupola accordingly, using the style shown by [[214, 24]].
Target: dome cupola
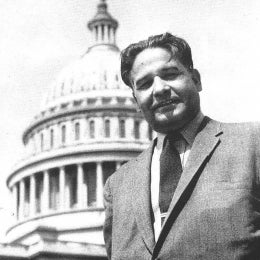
[[103, 26]]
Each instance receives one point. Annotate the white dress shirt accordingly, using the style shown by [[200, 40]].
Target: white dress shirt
[[183, 146]]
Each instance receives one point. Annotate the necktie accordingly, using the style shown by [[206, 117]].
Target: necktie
[[170, 171]]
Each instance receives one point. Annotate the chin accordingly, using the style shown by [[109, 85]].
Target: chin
[[167, 124]]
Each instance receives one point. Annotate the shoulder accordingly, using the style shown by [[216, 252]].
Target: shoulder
[[127, 172], [243, 128], [246, 132]]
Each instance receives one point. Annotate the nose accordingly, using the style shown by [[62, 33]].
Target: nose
[[160, 87]]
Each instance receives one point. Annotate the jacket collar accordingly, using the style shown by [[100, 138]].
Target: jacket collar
[[204, 145]]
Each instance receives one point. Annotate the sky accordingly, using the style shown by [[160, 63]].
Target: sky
[[40, 38]]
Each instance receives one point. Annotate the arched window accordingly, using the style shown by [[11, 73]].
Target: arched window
[[63, 134], [51, 138], [92, 129], [77, 131], [137, 130], [42, 141], [107, 128], [122, 128]]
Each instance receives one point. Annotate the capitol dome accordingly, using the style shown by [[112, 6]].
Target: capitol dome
[[87, 128], [97, 73]]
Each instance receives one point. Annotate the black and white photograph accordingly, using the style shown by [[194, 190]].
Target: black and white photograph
[[130, 130]]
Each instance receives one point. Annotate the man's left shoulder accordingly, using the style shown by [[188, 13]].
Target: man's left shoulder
[[245, 130], [244, 126]]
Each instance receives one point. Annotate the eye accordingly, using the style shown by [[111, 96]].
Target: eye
[[145, 84], [170, 76]]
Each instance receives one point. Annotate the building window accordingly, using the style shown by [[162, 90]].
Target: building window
[[39, 191], [63, 134], [108, 168], [107, 128], [92, 129], [42, 141], [54, 189], [90, 180], [150, 133], [77, 131], [71, 185], [137, 129], [51, 138], [122, 128]]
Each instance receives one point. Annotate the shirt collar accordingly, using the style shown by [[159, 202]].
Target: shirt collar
[[188, 132]]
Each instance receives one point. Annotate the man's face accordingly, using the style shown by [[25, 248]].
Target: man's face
[[165, 90]]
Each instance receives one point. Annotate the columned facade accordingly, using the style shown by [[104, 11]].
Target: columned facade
[[87, 130], [58, 188]]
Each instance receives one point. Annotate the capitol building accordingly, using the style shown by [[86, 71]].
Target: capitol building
[[87, 128]]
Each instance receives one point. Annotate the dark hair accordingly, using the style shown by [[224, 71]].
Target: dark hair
[[176, 46]]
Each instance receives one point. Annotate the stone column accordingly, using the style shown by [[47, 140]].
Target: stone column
[[144, 131], [15, 202], [114, 128], [99, 189], [46, 191], [80, 185], [70, 132], [99, 129], [22, 197], [62, 188], [34, 141], [129, 126], [47, 138], [32, 195], [83, 122], [56, 136]]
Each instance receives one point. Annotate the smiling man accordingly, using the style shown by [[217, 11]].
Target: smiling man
[[195, 192]]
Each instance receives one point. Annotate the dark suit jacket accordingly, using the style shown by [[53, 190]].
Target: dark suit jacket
[[214, 213]]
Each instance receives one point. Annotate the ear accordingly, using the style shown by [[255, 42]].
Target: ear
[[196, 79], [137, 106]]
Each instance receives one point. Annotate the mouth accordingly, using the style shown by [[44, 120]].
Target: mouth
[[165, 103]]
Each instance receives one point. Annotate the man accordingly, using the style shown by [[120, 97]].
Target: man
[[208, 207]]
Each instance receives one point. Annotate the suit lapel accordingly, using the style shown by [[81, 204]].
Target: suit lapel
[[204, 144], [141, 200]]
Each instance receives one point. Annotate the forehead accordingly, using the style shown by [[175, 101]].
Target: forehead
[[152, 60]]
